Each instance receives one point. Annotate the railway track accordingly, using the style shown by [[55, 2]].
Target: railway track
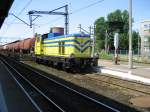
[[41, 102], [114, 81], [49, 95]]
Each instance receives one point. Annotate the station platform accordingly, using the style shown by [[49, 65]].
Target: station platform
[[12, 98], [140, 72]]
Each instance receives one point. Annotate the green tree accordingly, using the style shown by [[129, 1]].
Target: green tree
[[123, 41], [125, 20], [100, 25], [117, 21], [135, 37], [115, 16], [120, 23]]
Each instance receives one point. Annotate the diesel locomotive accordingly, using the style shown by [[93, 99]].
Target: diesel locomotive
[[68, 51]]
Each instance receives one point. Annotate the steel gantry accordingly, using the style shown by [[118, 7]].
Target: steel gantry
[[37, 14]]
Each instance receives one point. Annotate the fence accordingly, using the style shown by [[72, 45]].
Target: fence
[[123, 56], [124, 52]]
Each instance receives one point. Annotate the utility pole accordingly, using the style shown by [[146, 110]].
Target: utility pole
[[106, 41], [130, 35], [94, 39], [66, 20], [33, 30], [138, 45], [92, 44], [92, 34], [79, 28], [90, 30]]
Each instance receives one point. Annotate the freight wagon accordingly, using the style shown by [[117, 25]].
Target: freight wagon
[[27, 45]]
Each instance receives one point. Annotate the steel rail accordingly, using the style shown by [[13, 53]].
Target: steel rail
[[39, 91], [22, 88], [73, 90], [110, 83], [96, 69]]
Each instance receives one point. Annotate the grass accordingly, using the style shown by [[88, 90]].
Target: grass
[[136, 58]]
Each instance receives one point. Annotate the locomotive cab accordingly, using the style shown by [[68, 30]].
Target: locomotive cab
[[38, 45]]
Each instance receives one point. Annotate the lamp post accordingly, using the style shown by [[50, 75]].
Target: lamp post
[[130, 35], [106, 41]]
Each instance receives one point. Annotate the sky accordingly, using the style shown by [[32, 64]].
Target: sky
[[85, 13]]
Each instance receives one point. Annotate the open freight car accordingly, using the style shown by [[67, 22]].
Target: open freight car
[[26, 46]]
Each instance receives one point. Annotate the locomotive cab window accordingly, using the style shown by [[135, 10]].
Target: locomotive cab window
[[38, 39]]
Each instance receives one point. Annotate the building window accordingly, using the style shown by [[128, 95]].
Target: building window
[[146, 49], [146, 27], [145, 39]]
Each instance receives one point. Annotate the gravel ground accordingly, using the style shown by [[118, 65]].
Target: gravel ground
[[92, 82]]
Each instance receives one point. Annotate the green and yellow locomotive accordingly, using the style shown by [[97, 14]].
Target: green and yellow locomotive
[[68, 51]]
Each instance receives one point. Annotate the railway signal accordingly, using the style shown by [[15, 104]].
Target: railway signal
[[116, 44]]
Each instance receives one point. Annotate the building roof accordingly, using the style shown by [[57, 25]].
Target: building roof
[[146, 20], [4, 9]]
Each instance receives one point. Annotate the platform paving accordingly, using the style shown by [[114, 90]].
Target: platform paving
[[140, 72], [12, 98]]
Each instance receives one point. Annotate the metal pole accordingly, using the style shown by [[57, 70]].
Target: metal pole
[[90, 30], [130, 35], [30, 19], [94, 39], [33, 30], [66, 20], [138, 45], [106, 41], [80, 28]]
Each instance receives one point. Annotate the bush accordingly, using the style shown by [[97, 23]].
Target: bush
[[104, 55]]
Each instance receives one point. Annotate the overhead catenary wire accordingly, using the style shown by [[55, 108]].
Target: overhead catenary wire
[[8, 26], [75, 11], [83, 8], [28, 3], [56, 19]]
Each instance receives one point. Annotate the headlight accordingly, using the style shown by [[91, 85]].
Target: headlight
[[72, 55]]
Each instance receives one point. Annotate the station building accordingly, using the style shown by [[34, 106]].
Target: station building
[[145, 37]]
